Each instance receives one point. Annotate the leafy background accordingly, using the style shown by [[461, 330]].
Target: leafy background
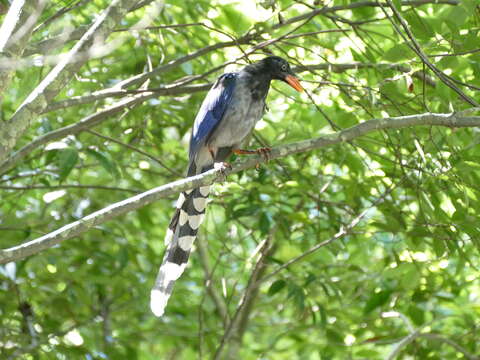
[[403, 283]]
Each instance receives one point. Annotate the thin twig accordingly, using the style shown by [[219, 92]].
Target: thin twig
[[415, 47], [234, 330], [133, 148], [211, 290], [67, 186]]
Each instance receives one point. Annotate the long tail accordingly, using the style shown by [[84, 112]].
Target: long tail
[[179, 239]]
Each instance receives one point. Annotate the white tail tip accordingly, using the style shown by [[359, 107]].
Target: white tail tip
[[158, 302]]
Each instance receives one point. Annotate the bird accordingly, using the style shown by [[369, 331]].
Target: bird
[[227, 116]]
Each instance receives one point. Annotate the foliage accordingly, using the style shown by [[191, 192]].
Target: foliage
[[408, 267]]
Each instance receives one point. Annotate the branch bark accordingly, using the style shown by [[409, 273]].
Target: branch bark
[[78, 227], [10, 21]]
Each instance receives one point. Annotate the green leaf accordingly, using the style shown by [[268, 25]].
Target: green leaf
[[416, 314], [377, 300], [265, 222], [276, 287], [398, 53], [105, 161], [420, 26], [67, 159]]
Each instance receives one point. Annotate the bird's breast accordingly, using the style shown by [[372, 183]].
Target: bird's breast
[[239, 119]]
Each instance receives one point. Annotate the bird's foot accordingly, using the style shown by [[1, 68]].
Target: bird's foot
[[264, 151], [222, 167]]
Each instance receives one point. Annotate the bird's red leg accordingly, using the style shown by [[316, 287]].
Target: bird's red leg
[[264, 151], [245, 152], [212, 153]]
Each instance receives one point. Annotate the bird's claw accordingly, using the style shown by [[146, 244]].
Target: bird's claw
[[222, 167], [265, 152]]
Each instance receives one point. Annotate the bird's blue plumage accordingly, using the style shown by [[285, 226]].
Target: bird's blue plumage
[[212, 111]]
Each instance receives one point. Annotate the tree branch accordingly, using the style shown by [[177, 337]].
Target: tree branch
[[360, 4], [97, 118], [178, 89], [16, 30], [452, 343], [78, 227], [116, 91], [66, 186], [84, 124], [58, 77]]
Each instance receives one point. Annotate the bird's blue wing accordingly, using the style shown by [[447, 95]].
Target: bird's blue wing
[[212, 111]]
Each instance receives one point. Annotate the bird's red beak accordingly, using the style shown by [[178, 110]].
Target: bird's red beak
[[294, 83]]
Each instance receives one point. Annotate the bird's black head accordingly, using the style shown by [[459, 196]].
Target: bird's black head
[[279, 69]]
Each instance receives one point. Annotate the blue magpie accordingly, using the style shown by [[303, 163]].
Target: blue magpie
[[227, 116]]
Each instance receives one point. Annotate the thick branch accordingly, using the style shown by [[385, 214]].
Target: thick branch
[[16, 30], [10, 21], [78, 227], [58, 77]]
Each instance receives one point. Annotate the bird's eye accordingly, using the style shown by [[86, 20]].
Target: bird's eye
[[284, 67]]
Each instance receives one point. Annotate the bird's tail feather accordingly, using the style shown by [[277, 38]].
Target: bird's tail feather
[[179, 239]]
